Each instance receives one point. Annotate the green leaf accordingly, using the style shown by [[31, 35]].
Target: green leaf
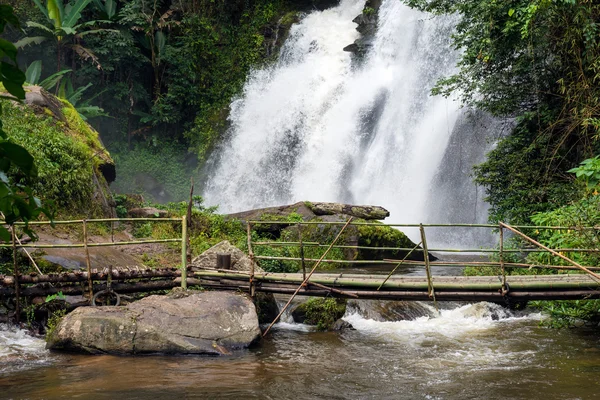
[[33, 73], [111, 8], [511, 12], [55, 12], [12, 79], [5, 234], [9, 49], [43, 9], [32, 24], [53, 79], [75, 13], [18, 156], [29, 41]]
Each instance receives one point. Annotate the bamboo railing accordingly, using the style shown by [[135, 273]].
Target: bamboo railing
[[432, 283], [90, 274]]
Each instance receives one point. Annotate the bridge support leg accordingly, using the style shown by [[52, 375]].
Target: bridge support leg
[[428, 268]]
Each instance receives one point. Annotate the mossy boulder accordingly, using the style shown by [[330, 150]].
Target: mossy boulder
[[323, 313], [74, 168], [284, 227]]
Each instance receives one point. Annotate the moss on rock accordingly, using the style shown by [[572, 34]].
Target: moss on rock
[[70, 159]]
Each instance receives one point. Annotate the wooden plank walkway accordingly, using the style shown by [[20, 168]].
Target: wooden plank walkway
[[400, 287]]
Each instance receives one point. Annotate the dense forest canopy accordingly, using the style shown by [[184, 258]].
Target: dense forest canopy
[[160, 73]]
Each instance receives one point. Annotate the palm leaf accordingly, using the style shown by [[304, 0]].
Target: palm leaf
[[86, 54], [32, 24], [75, 13], [43, 9], [33, 73], [55, 12], [53, 79], [94, 31], [30, 40]]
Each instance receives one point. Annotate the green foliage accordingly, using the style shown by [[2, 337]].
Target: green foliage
[[539, 61], [323, 312], [55, 296], [569, 313], [17, 201], [142, 229], [576, 216], [161, 173], [63, 162], [588, 171], [54, 320]]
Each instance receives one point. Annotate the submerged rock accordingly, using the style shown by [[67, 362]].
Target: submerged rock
[[210, 323]]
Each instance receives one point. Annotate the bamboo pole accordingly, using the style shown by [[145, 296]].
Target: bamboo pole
[[302, 262], [504, 289], [183, 253], [82, 276], [16, 273], [428, 268], [490, 283], [251, 256], [581, 267], [399, 264], [87, 261], [307, 278], [104, 244], [29, 256]]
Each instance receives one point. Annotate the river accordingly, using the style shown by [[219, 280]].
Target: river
[[469, 351]]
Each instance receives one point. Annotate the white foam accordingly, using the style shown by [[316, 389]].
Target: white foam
[[450, 324]]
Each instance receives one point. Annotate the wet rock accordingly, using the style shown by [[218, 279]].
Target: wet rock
[[364, 212], [382, 310], [266, 307], [211, 323], [239, 260], [341, 325]]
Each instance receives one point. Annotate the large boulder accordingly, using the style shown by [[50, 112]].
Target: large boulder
[[211, 323]]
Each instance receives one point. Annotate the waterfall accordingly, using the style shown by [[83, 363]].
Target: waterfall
[[320, 126]]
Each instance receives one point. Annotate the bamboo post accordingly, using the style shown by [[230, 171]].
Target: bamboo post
[[189, 218], [428, 267], [16, 273], [302, 263], [87, 260], [251, 255], [184, 252], [502, 267], [581, 267], [308, 277]]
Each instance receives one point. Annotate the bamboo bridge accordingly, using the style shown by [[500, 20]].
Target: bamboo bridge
[[570, 280]]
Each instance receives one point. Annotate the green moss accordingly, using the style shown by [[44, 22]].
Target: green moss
[[63, 161], [323, 312]]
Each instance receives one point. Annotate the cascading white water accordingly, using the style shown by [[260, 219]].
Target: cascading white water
[[318, 126]]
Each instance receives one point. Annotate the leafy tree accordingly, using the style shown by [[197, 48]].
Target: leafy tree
[[17, 202], [65, 29], [539, 61]]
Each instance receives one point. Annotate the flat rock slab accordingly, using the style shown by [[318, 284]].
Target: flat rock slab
[[211, 323]]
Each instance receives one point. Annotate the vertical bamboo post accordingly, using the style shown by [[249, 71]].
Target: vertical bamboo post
[[184, 252], [251, 255], [87, 260], [504, 291], [303, 264], [428, 267], [16, 273]]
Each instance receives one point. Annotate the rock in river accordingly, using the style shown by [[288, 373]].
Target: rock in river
[[211, 323]]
